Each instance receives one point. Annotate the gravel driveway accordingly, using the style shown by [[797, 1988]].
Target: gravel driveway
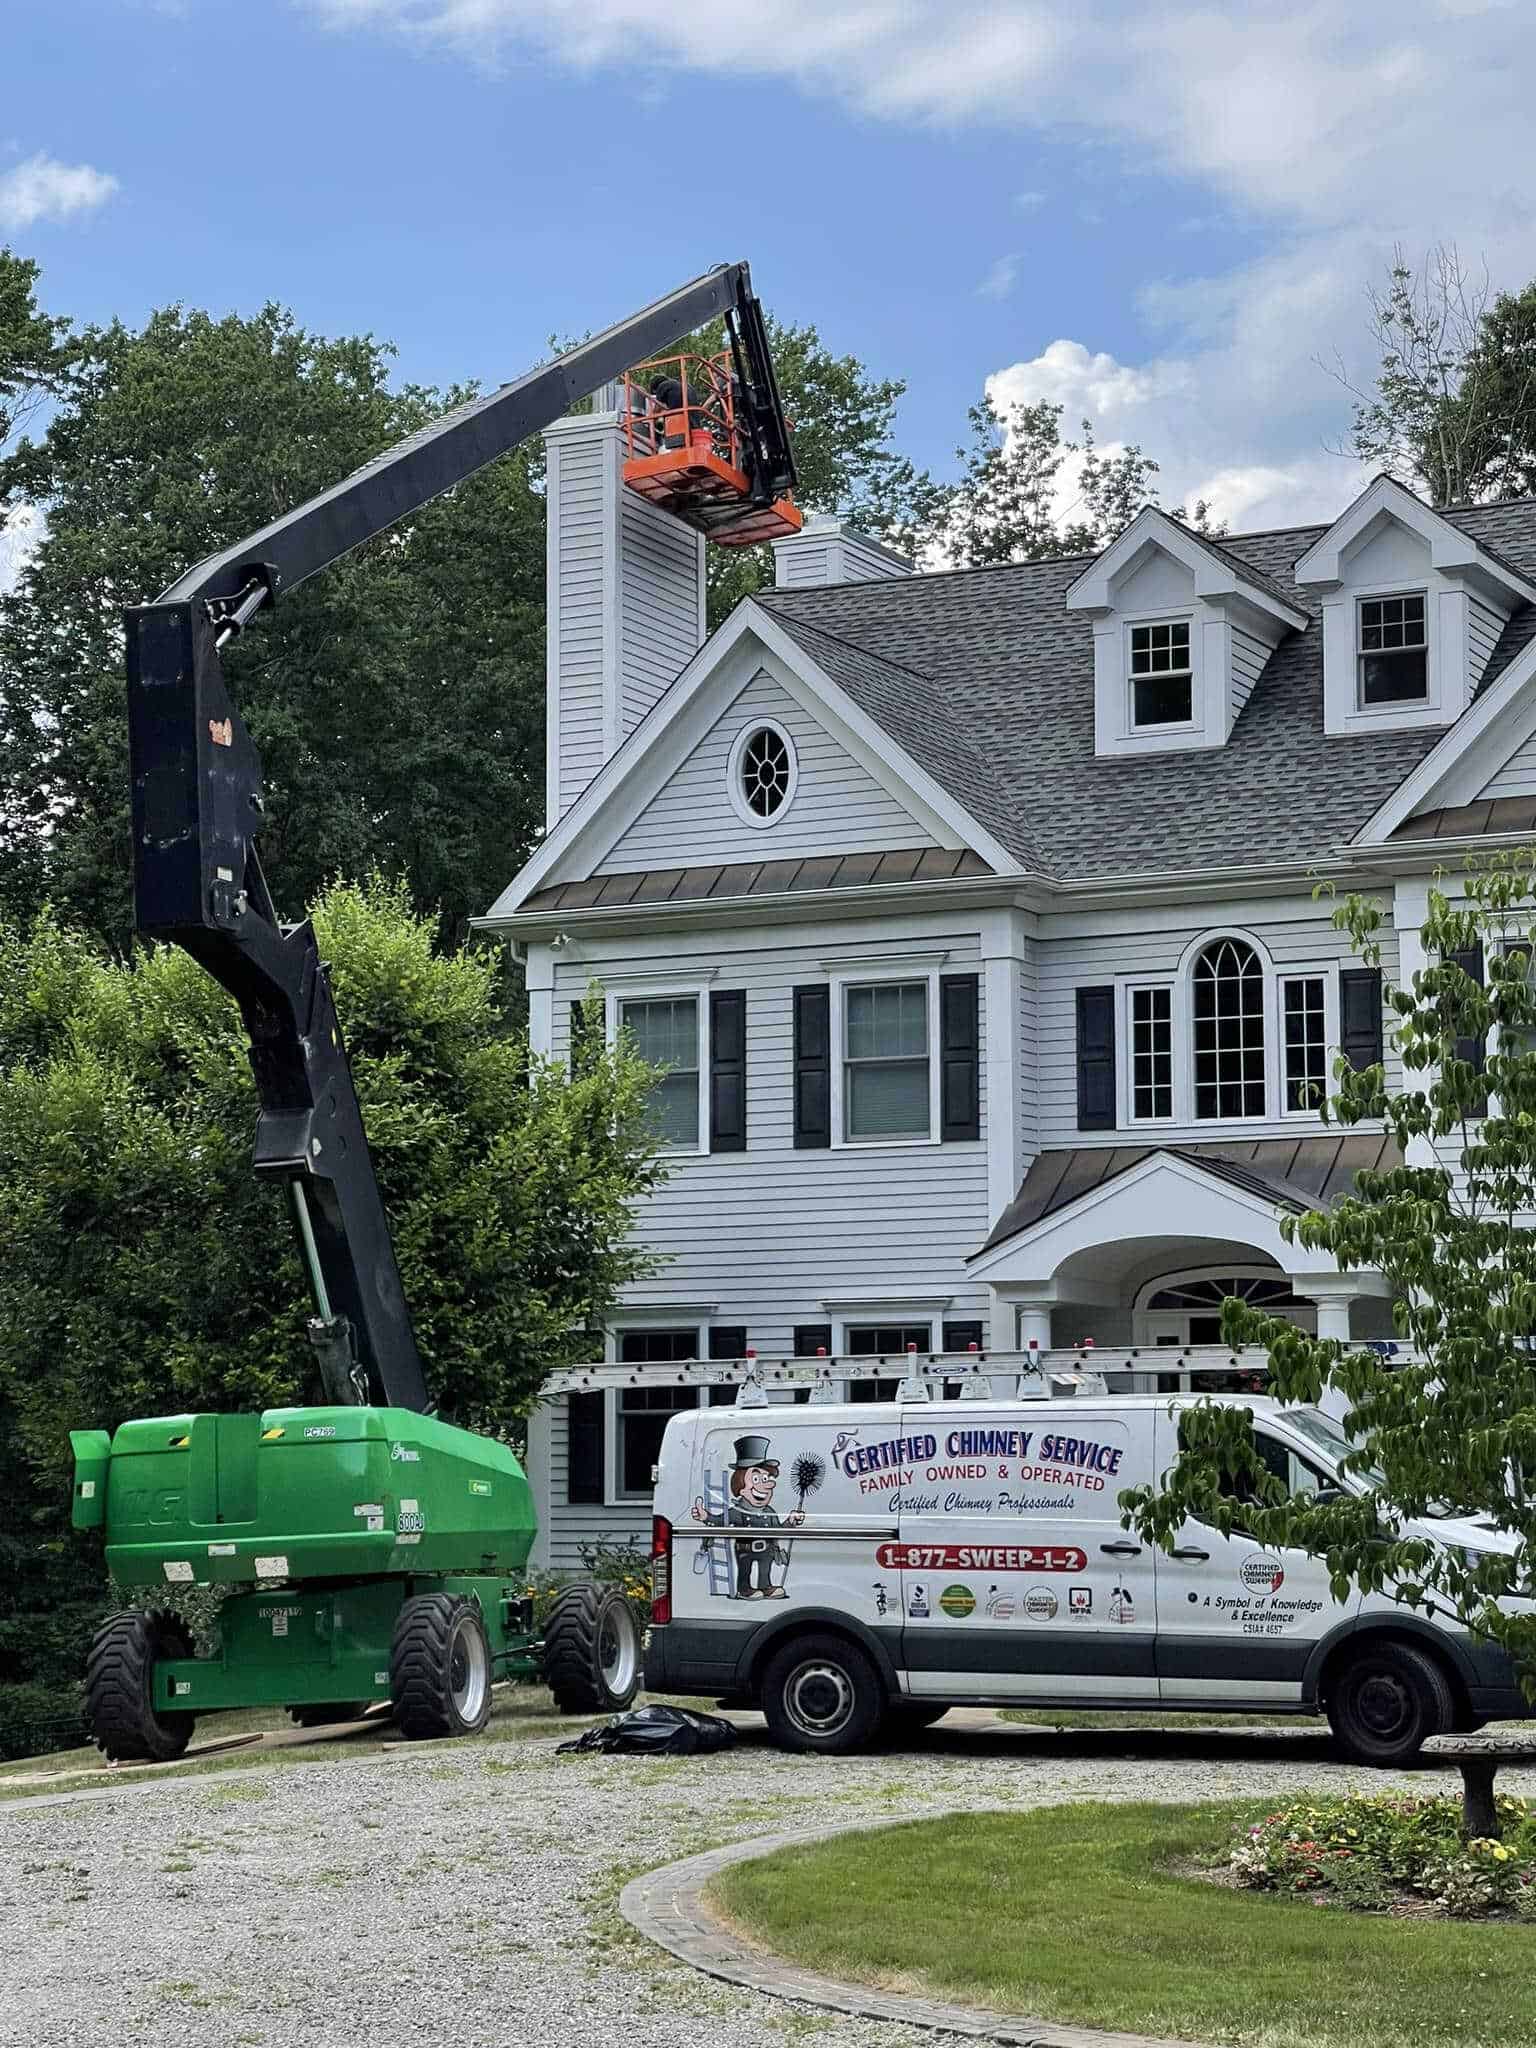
[[462, 1895]]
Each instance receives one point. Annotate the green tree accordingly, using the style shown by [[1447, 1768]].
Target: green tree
[[1453, 1430], [1004, 506], [35, 351], [144, 1270], [397, 699]]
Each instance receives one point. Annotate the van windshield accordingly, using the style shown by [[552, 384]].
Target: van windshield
[[1321, 1430]]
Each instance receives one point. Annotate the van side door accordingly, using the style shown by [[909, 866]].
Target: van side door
[[1017, 1580], [1236, 1623]]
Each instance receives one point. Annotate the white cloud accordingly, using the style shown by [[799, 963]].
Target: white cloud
[[1029, 202], [1000, 279], [44, 189], [1334, 132]]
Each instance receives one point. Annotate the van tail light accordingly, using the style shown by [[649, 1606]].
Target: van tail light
[[661, 1570]]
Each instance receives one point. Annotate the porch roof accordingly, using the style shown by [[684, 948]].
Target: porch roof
[[1293, 1173]]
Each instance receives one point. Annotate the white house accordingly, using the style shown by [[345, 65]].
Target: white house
[[973, 916]]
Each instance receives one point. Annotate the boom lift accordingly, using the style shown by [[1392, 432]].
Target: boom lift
[[384, 1537]]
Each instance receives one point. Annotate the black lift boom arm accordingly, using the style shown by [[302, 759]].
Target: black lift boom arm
[[197, 805]]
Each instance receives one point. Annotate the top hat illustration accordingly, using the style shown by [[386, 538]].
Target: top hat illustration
[[751, 1451]]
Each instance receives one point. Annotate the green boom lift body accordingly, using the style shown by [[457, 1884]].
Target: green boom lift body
[[367, 1550]]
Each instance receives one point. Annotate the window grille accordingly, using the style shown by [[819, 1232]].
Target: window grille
[[1229, 1032]]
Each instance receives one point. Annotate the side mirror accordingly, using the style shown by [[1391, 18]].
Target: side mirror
[[1328, 1496]]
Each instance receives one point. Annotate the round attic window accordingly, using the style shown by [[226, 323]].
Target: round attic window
[[763, 772]]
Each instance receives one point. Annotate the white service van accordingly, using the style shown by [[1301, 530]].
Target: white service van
[[842, 1565]]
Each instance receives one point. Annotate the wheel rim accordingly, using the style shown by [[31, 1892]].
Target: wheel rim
[[818, 1698], [469, 1671], [1385, 1705], [618, 1649]]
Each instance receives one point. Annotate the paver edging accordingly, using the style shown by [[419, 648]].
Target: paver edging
[[667, 1907]]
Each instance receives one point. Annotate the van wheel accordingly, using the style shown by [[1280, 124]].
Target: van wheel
[[1386, 1701], [823, 1694]]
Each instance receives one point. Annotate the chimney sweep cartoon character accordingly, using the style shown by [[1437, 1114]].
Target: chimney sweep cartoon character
[[753, 1478]]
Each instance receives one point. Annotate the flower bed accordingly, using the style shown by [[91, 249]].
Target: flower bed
[[1392, 1854]]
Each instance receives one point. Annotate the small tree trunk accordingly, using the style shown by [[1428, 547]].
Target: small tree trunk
[[1479, 1815]]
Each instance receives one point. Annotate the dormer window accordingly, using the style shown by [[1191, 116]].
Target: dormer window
[[1393, 650], [1162, 681]]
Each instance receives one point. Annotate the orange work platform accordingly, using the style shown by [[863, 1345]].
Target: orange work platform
[[685, 451]]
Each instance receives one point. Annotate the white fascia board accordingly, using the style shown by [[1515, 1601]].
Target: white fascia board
[[1451, 551], [1475, 748], [1217, 578], [748, 641]]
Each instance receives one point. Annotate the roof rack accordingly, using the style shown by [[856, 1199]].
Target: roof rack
[[981, 1375]]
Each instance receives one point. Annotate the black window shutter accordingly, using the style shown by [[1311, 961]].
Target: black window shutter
[[1360, 1038], [813, 1066], [960, 1052], [811, 1338], [727, 1070], [586, 1036], [584, 1449], [1095, 1059], [961, 1336], [1470, 961]]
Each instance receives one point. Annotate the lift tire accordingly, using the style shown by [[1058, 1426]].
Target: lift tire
[[329, 1715], [440, 1667], [119, 1688], [822, 1693], [592, 1650], [1386, 1701]]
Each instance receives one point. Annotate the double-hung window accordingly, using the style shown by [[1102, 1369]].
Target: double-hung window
[[1304, 1014], [665, 1032], [1151, 1054], [642, 1413], [1393, 650], [887, 1061], [1162, 680]]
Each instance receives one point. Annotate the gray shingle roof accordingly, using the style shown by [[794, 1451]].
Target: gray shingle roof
[[987, 680]]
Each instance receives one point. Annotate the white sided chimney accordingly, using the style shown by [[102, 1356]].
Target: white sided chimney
[[625, 602], [828, 550]]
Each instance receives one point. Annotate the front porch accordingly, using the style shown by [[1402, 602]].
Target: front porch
[[1135, 1250]]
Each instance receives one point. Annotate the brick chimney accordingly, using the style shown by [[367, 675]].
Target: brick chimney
[[624, 585]]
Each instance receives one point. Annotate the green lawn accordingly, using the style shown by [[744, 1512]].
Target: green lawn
[[1073, 1913]]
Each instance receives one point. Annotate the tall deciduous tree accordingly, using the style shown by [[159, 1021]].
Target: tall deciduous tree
[[34, 351], [1007, 505], [144, 1270], [1453, 1429], [397, 699]]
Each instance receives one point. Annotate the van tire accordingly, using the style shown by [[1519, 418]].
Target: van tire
[[1386, 1700], [821, 1693]]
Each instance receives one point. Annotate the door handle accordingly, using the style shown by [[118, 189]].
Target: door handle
[[1121, 1549], [1194, 1556]]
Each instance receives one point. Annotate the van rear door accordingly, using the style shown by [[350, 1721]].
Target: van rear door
[[1017, 1580]]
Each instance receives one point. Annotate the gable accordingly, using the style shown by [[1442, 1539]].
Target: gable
[[837, 806]]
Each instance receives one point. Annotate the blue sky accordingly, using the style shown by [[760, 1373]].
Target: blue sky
[[1162, 218]]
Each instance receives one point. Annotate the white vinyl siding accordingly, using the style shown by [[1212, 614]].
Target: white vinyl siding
[[1518, 775], [578, 628], [805, 566], [661, 580], [1303, 942], [838, 807], [1248, 658], [1483, 629]]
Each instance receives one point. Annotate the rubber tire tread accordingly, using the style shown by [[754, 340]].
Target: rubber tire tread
[[420, 1682], [1436, 1697], [119, 1688], [573, 1668], [870, 1700]]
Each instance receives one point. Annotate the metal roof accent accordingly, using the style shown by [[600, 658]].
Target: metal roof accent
[[1293, 1173], [1467, 821], [761, 878]]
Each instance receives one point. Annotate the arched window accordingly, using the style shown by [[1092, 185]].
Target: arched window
[[1229, 1031]]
